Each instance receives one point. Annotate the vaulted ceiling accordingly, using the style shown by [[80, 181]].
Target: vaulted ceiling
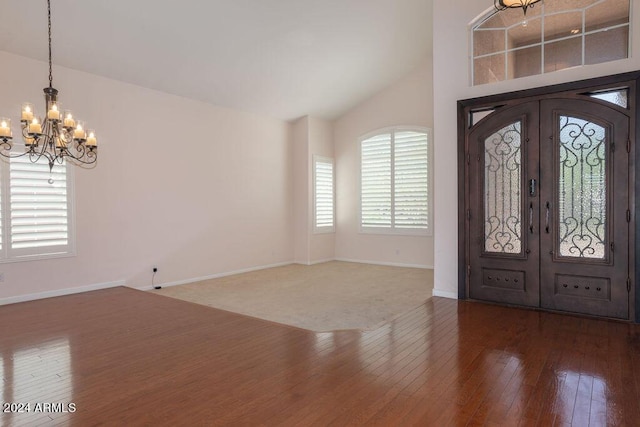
[[281, 58]]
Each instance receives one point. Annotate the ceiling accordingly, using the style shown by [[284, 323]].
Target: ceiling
[[280, 58]]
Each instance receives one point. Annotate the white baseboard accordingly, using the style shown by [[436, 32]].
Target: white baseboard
[[213, 276], [391, 264], [320, 261], [445, 294], [60, 292]]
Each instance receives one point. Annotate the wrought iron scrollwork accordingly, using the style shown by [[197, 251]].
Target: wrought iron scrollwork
[[582, 188], [502, 191]]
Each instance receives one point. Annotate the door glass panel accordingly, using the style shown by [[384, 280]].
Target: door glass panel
[[582, 189], [502, 191]]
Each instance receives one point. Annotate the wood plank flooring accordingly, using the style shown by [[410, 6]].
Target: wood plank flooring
[[125, 357]]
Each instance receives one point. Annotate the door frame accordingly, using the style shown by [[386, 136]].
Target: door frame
[[572, 89]]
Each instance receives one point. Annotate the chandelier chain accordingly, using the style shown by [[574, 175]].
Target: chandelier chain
[[49, 20]]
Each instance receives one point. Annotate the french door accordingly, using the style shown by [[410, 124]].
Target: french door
[[549, 206]]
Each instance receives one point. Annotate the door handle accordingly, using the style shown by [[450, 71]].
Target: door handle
[[531, 217], [546, 219], [532, 187]]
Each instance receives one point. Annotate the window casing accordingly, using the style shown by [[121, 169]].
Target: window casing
[[395, 196], [323, 195], [36, 210], [553, 36]]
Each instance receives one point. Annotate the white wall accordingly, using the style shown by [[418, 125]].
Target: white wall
[[301, 187], [311, 136], [191, 188], [451, 83], [321, 245], [407, 102]]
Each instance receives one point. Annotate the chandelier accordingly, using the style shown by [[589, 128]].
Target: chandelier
[[57, 136], [508, 4]]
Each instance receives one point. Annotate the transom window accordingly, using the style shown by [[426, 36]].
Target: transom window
[[554, 35]]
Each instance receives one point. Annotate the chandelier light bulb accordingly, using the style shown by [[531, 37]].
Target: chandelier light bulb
[[27, 112], [35, 127], [69, 122], [5, 128], [53, 113], [92, 141], [79, 132]]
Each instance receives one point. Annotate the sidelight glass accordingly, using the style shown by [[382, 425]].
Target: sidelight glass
[[618, 97], [502, 191], [582, 194]]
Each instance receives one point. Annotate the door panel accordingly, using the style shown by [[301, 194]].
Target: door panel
[[548, 194], [504, 250], [584, 264]]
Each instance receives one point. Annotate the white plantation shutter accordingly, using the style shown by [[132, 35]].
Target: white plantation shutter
[[39, 211], [411, 180], [323, 194], [395, 182], [376, 181]]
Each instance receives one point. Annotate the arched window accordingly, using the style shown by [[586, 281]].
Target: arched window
[[553, 35], [394, 181]]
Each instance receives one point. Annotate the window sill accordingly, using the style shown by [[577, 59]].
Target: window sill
[[395, 232]]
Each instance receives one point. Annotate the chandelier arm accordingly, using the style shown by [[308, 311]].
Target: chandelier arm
[[85, 156], [5, 144]]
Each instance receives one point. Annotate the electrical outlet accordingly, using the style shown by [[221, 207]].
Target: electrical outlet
[[155, 269]]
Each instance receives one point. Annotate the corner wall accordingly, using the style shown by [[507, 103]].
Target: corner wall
[[191, 188], [311, 136]]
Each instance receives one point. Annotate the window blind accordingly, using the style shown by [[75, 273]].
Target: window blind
[[324, 197], [411, 180], [376, 181], [395, 181], [39, 210]]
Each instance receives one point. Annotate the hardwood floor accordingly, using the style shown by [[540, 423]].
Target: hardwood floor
[[125, 357]]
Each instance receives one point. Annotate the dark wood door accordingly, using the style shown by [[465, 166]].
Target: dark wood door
[[548, 193], [585, 199], [504, 215]]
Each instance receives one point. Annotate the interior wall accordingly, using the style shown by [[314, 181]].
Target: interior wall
[[301, 187], [451, 76], [407, 102], [311, 136], [191, 188], [321, 245]]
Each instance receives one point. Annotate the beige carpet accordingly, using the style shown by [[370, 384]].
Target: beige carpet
[[323, 297]]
